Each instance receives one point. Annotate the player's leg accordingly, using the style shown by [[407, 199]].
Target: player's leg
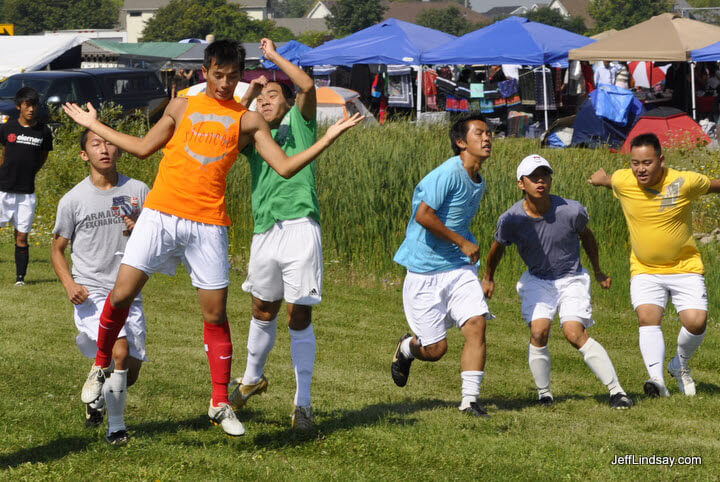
[[302, 349], [539, 359], [690, 299], [22, 257], [649, 296], [24, 216]]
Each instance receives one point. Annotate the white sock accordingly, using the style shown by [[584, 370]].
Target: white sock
[[597, 359], [302, 348], [405, 348], [115, 391], [261, 339], [687, 343], [652, 348], [539, 361], [471, 381]]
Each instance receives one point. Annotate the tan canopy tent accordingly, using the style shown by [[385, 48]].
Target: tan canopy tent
[[667, 37], [605, 34]]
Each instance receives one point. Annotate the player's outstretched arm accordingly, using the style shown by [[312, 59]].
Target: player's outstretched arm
[[253, 125], [714, 186], [493, 260], [600, 178], [306, 99], [589, 244], [76, 293], [141, 147], [426, 217]]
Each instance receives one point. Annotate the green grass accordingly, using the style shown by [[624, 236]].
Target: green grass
[[366, 427]]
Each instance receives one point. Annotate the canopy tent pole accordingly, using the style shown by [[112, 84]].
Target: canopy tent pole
[[419, 90], [545, 99], [692, 81]]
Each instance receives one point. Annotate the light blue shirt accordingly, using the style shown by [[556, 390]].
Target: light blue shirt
[[455, 198]]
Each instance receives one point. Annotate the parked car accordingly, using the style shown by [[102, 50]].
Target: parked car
[[130, 88]]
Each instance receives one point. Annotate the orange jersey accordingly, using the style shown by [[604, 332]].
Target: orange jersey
[[191, 178]]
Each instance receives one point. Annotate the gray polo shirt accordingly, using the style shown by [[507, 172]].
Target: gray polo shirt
[[549, 245]]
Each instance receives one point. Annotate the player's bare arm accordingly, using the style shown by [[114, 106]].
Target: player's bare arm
[[77, 293], [141, 147], [589, 244], [256, 86], [600, 178], [426, 217], [306, 99], [714, 186], [493, 260], [253, 128]]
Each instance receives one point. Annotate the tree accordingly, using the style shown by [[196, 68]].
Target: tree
[[621, 14], [349, 16], [550, 16], [181, 19], [291, 8], [313, 38], [34, 16], [448, 20]]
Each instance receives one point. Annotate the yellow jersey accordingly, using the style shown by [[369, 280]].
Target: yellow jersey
[[659, 219]]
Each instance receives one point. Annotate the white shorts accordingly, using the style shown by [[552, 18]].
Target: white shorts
[[286, 261], [569, 297], [687, 290], [17, 209], [438, 300], [87, 320], [160, 242]]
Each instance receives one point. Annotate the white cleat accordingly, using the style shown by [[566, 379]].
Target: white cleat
[[92, 389], [655, 388], [224, 416], [685, 382]]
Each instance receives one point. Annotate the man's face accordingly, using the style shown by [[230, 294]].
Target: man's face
[[537, 184], [100, 153], [478, 140], [27, 111], [221, 80], [646, 165], [272, 104]]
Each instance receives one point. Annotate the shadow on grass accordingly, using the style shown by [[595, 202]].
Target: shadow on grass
[[40, 281], [53, 450], [391, 413]]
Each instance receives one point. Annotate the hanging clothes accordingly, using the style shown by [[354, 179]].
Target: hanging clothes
[[549, 90], [399, 86]]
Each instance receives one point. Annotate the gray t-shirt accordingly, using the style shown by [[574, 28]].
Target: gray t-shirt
[[549, 245], [90, 218]]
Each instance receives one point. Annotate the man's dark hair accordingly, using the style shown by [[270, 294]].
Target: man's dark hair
[[287, 92], [83, 138], [224, 52], [650, 140], [26, 94], [459, 129]]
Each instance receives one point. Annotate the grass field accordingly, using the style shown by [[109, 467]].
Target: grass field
[[366, 427]]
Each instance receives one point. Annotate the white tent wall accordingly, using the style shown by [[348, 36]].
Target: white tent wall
[[23, 53]]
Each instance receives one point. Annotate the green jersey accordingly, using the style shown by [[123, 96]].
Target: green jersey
[[275, 198]]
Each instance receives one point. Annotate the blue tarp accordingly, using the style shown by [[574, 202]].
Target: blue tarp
[[591, 130], [613, 103], [515, 40], [711, 53], [291, 51], [390, 42]]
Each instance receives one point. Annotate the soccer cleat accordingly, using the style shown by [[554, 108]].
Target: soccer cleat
[[93, 416], [19, 283], [240, 393], [400, 366], [224, 416], [474, 409], [685, 382], [301, 418], [118, 438], [655, 388], [620, 401], [92, 389], [546, 401]]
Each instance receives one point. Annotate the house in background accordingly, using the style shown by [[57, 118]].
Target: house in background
[[408, 11], [574, 8], [321, 9]]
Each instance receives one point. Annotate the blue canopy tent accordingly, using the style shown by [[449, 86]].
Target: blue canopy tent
[[389, 42], [711, 53], [515, 40], [292, 51]]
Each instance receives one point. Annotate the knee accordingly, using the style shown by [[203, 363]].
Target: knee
[[435, 351], [576, 338], [120, 353], [120, 298], [21, 239], [539, 338], [265, 310], [474, 329], [215, 315], [299, 317]]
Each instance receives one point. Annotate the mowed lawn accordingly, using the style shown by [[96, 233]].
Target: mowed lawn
[[367, 428]]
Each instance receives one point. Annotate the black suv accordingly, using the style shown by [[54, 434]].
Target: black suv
[[130, 88]]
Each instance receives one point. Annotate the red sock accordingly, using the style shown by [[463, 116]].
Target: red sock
[[111, 322], [218, 347]]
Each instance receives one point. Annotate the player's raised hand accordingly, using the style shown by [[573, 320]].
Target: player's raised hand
[[256, 85], [77, 294], [83, 117], [599, 178], [267, 46], [336, 130], [604, 280], [488, 287]]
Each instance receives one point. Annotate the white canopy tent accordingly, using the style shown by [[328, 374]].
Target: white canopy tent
[[24, 53]]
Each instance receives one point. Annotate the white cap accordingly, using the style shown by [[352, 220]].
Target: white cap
[[530, 163]]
